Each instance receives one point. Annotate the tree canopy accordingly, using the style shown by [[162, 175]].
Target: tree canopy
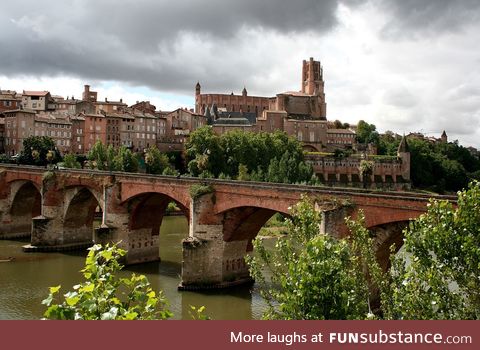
[[39, 150], [272, 157], [102, 157], [367, 133]]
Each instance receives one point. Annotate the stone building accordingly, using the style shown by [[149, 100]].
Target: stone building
[[57, 127], [145, 135], [38, 101], [72, 106], [109, 106], [9, 100], [127, 130], [19, 124], [176, 127], [2, 133], [386, 172]]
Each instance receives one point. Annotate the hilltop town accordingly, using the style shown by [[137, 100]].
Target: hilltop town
[[333, 149]]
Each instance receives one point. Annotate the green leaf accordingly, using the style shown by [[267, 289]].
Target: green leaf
[[87, 288], [54, 290], [72, 301]]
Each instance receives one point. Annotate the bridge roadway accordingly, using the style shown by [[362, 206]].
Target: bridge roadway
[[57, 208]]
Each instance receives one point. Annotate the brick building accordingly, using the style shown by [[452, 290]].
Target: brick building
[[95, 130], [230, 102], [78, 134]]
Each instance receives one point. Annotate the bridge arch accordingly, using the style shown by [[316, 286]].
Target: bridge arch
[[146, 212], [244, 223], [26, 203], [309, 148], [79, 215], [226, 203], [386, 235]]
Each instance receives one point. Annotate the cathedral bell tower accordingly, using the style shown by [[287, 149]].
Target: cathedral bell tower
[[312, 77]]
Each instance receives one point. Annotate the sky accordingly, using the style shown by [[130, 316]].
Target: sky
[[403, 65]]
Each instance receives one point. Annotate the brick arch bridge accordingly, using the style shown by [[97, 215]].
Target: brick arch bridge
[[57, 210]]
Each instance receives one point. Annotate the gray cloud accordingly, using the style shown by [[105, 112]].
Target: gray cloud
[[417, 18], [400, 97], [142, 41]]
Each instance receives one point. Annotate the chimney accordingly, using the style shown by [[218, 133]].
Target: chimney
[[106, 99], [121, 100]]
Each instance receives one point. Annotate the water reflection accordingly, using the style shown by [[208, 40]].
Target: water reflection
[[25, 280]]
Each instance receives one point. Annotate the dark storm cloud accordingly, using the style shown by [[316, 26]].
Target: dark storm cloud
[[136, 41], [417, 18]]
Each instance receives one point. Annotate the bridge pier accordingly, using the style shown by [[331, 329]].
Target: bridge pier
[[208, 260]]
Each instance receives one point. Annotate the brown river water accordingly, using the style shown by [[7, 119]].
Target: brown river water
[[24, 281]]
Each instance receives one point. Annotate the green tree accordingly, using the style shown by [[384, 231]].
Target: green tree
[[263, 155], [70, 161], [204, 152], [102, 157], [243, 173], [438, 276], [367, 133], [98, 156], [155, 161], [36, 149], [104, 296], [125, 160]]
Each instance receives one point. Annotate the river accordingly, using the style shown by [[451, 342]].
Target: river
[[24, 281]]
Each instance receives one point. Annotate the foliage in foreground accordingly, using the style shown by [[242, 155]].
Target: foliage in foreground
[[105, 296], [442, 278], [314, 276]]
